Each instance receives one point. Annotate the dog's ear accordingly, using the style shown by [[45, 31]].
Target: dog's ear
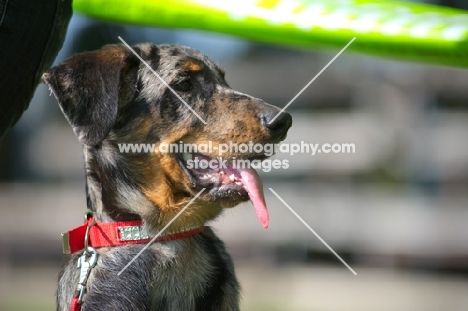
[[87, 87]]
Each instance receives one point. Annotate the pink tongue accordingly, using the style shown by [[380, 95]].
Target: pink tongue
[[254, 187]]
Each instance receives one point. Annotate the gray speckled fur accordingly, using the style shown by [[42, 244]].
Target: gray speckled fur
[[109, 97], [173, 276], [190, 274]]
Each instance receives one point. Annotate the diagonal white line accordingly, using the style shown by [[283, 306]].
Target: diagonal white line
[[312, 230], [160, 232], [313, 79], [162, 80]]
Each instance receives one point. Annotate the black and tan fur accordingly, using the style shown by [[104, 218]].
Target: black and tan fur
[[110, 97]]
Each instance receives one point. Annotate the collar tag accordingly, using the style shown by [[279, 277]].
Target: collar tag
[[133, 233]]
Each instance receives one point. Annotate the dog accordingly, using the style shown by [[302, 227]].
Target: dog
[[113, 96]]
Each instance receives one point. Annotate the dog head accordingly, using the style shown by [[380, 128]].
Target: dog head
[[167, 95]]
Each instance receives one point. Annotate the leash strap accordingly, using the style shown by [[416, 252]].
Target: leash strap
[[75, 306]]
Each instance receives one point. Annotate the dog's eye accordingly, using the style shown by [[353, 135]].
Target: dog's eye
[[183, 86]]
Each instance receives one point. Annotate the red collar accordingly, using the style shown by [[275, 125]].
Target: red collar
[[105, 234]]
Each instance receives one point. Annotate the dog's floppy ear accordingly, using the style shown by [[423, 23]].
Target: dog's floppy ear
[[87, 87]]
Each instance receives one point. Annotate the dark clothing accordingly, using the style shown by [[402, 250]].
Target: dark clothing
[[31, 34]]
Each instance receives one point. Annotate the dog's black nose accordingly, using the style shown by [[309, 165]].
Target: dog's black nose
[[277, 124]]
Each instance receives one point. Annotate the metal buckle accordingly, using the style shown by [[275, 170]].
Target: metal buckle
[[86, 262], [65, 243]]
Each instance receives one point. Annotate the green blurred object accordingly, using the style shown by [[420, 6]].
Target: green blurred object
[[407, 31]]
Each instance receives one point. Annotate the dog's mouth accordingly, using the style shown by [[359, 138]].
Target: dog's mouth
[[230, 181]]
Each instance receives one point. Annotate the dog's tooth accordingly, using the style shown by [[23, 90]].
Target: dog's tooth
[[238, 183], [221, 172], [232, 177]]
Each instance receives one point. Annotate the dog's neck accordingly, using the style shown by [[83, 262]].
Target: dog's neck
[[104, 212], [114, 193], [103, 194]]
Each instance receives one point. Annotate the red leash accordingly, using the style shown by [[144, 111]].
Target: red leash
[[75, 306], [94, 234]]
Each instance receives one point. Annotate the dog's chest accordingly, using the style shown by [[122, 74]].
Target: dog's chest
[[184, 270]]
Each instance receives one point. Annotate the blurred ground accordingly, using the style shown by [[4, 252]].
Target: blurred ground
[[290, 288], [276, 268]]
